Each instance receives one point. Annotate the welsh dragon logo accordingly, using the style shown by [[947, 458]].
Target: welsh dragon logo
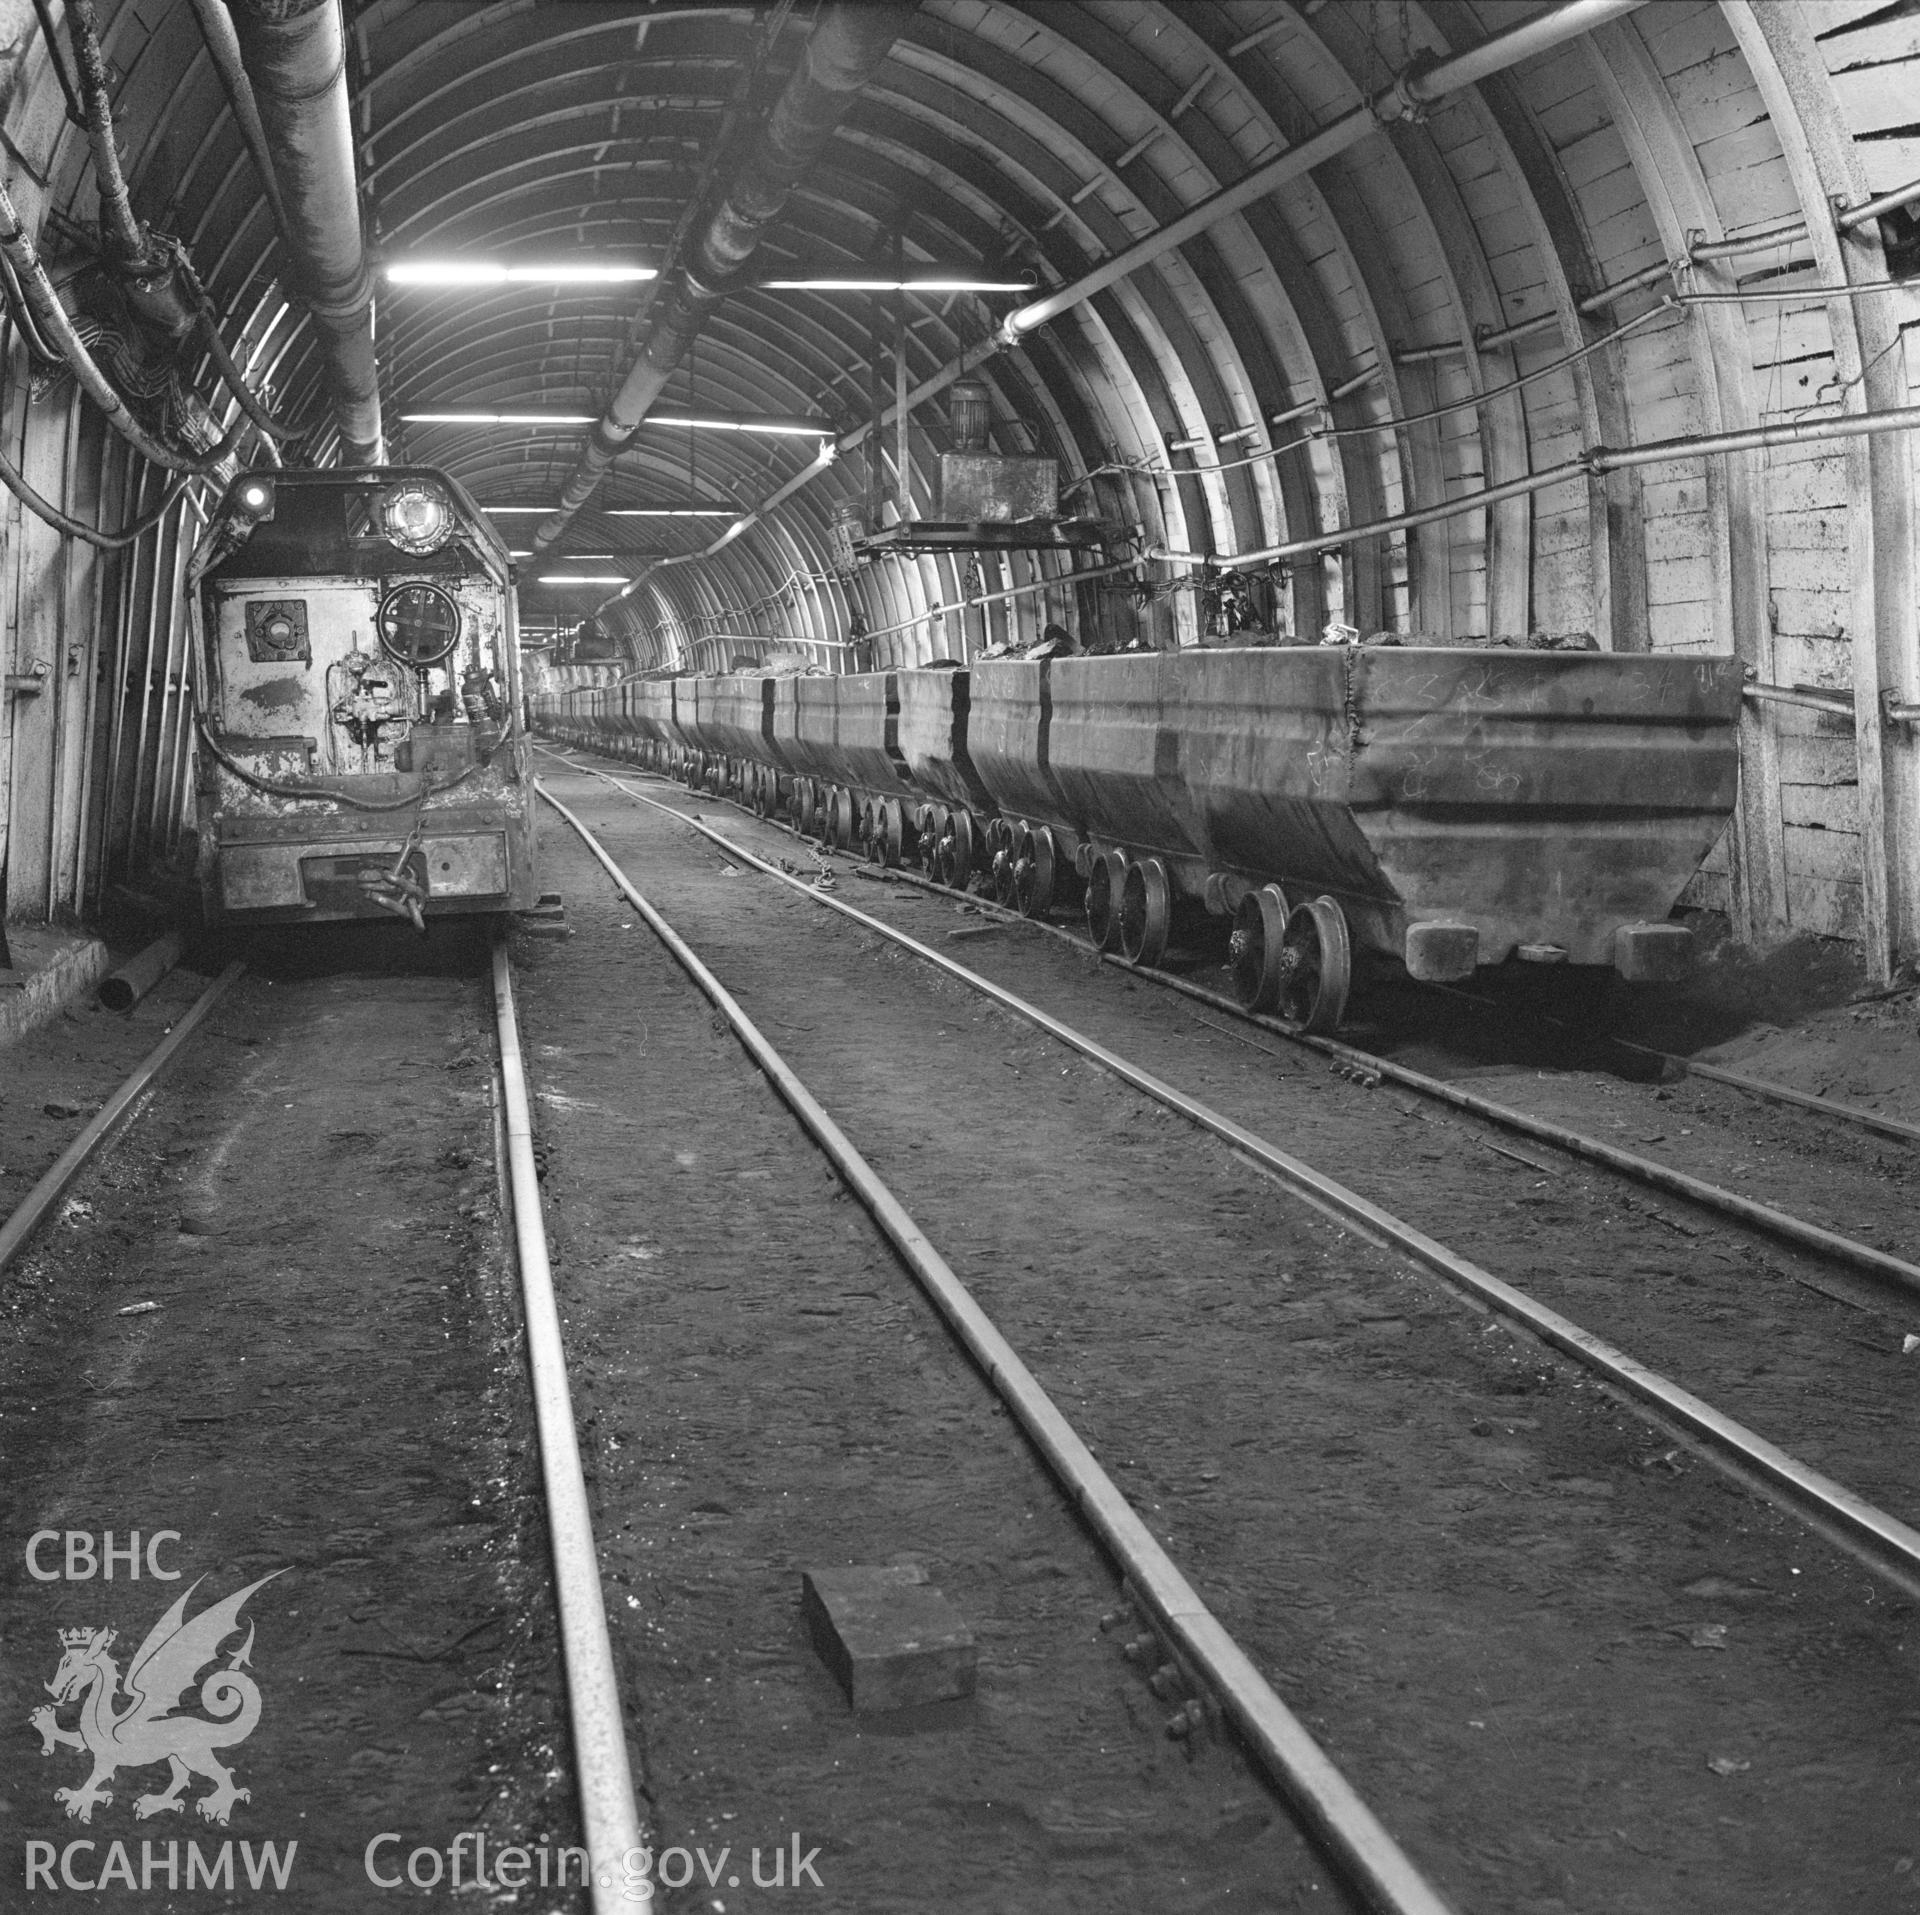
[[147, 1730]]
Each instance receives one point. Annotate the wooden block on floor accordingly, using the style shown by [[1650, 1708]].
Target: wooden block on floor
[[891, 1638]]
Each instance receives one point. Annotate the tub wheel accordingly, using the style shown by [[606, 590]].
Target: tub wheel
[[1034, 865], [1106, 889], [1316, 963], [1000, 860], [889, 842], [1259, 936], [1146, 908], [961, 846]]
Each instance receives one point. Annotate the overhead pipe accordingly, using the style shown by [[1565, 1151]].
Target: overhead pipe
[[1765, 239], [1419, 84], [1601, 459], [847, 46], [295, 55]]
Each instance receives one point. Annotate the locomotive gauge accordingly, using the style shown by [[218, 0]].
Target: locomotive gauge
[[418, 624]]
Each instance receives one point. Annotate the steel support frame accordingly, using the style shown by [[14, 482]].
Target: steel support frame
[[1777, 41], [1680, 202]]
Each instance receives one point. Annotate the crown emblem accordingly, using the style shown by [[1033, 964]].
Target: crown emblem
[[75, 1638]]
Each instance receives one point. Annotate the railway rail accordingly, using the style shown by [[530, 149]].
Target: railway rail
[[615, 1841], [759, 804], [1872, 1535], [1884, 1541], [1767, 1219]]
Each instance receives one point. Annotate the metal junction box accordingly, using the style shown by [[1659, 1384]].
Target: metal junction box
[[986, 488]]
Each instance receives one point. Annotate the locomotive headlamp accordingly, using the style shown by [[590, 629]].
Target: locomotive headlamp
[[253, 499], [417, 518]]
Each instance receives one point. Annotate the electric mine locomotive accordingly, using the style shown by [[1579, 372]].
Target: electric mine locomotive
[[360, 754]]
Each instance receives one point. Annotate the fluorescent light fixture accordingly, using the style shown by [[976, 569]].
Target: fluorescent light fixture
[[896, 285], [742, 422], [582, 578], [699, 422], [490, 272], [620, 511], [498, 418]]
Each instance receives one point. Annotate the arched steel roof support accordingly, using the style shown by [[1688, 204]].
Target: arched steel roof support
[[1779, 50], [848, 45]]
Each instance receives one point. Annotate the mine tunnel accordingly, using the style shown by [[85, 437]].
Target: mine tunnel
[[968, 942]]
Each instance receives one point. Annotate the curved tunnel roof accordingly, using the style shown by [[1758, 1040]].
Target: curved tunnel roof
[[1440, 318], [1004, 141]]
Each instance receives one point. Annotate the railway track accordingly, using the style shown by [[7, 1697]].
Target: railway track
[[1880, 1262], [996, 1194], [281, 1299], [1876, 1261]]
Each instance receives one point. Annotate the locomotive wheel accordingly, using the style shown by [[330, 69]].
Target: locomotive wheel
[[870, 830], [1146, 912], [1034, 866], [842, 818], [1106, 885], [803, 807], [1259, 936], [921, 839], [1316, 962]]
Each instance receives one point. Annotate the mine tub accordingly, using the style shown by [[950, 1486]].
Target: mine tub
[[1545, 803]]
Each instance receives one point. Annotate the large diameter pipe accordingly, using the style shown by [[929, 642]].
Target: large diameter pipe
[[121, 990], [295, 54], [845, 50]]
